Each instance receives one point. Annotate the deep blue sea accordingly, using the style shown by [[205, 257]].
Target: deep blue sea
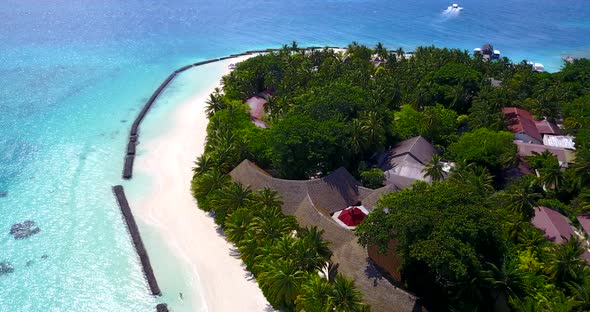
[[74, 74]]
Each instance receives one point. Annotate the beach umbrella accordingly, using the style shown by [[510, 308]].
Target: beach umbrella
[[351, 216]]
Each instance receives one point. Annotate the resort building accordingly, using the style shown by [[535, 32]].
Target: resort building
[[564, 156], [315, 203], [526, 129], [546, 127], [257, 105], [522, 124], [403, 163], [557, 227]]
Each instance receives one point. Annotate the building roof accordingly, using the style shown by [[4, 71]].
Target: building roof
[[311, 202], [370, 201], [563, 141], [529, 149], [415, 150], [256, 104], [406, 159], [329, 194], [521, 121], [584, 222], [556, 226], [546, 127]]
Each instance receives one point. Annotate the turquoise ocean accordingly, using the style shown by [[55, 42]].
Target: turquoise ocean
[[74, 74]]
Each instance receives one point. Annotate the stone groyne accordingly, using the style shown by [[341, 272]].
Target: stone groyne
[[136, 238], [128, 170]]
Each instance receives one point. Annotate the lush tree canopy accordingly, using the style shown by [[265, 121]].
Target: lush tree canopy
[[466, 242]]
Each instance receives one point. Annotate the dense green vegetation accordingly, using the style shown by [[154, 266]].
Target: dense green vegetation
[[466, 242]]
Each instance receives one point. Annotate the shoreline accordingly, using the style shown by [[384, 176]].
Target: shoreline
[[188, 232]]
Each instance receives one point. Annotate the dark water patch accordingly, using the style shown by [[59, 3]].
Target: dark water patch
[[44, 256], [3, 194], [6, 268], [123, 120], [24, 230]]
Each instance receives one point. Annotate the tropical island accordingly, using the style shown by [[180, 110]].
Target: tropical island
[[373, 179]]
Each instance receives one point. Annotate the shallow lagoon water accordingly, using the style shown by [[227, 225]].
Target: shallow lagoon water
[[75, 74]]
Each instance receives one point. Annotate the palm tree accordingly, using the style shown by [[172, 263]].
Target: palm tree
[[294, 46], [249, 247], [229, 199], [358, 137], [267, 198], [373, 127], [272, 227], [282, 248], [472, 175], [509, 280], [568, 265], [237, 225], [281, 282], [203, 164], [581, 167], [381, 51], [313, 237], [434, 169], [316, 295], [306, 257], [215, 103], [581, 292], [346, 297], [552, 176], [206, 184], [521, 199]]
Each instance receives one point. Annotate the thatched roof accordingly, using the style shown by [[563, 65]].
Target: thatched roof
[[370, 201], [312, 202], [330, 194]]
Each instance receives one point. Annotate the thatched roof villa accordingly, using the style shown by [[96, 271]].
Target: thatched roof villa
[[312, 202]]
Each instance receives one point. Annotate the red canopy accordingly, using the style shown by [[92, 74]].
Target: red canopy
[[352, 216]]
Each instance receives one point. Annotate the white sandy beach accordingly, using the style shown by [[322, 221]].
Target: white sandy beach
[[218, 278]]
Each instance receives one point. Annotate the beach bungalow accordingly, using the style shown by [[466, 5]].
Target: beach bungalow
[[256, 104], [557, 227], [522, 124], [403, 163], [315, 203]]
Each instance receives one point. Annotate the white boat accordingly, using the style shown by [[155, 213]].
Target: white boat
[[455, 6]]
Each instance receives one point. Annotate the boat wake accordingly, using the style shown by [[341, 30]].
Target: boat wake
[[452, 11]]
